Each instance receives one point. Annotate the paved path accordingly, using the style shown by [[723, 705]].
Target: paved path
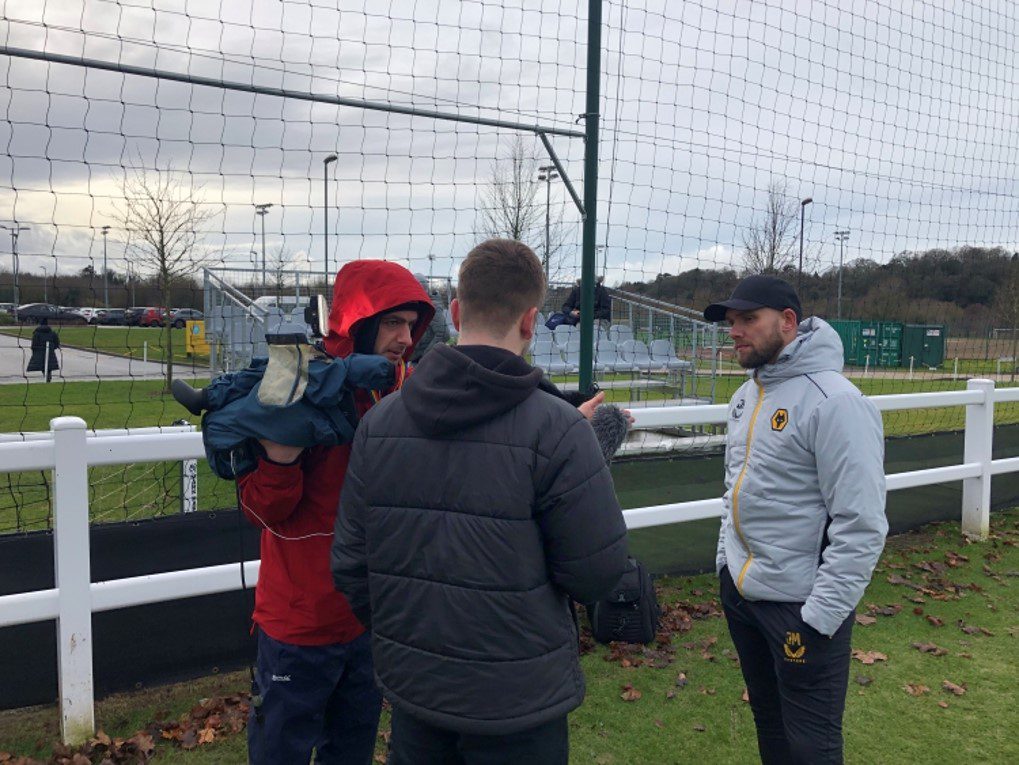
[[75, 365]]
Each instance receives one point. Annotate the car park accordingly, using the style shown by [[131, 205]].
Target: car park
[[179, 317], [32, 313]]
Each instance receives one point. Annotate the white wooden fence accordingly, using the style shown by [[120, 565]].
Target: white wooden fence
[[69, 450]]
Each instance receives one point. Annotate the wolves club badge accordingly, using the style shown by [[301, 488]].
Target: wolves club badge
[[737, 411], [794, 649], [779, 420]]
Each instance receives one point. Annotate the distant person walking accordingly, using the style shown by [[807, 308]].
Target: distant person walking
[[44, 339]]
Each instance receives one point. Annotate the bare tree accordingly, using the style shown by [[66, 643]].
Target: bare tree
[[281, 262], [769, 245], [163, 216], [513, 206]]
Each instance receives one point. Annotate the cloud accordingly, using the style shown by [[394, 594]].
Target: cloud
[[900, 123]]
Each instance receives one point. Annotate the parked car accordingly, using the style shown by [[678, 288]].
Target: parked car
[[31, 313], [181, 316], [133, 314], [111, 317], [7, 308], [89, 314], [146, 316]]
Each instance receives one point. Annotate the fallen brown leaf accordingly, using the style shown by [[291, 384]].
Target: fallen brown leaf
[[863, 680], [630, 693], [951, 687], [864, 620], [935, 621], [930, 648], [746, 695], [699, 727], [943, 704], [915, 689], [868, 657]]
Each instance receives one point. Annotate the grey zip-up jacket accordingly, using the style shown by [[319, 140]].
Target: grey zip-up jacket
[[804, 518]]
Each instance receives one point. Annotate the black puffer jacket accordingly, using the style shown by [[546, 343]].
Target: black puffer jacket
[[474, 505]]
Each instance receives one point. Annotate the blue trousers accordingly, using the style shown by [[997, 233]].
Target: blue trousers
[[314, 697]]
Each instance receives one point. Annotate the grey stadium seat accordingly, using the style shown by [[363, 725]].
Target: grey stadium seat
[[664, 356], [636, 353], [546, 355]]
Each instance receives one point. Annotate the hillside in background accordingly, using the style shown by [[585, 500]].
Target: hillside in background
[[971, 289]]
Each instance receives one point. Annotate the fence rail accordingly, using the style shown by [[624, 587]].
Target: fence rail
[[69, 450]]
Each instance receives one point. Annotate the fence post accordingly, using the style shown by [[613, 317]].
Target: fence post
[[73, 574], [979, 442]]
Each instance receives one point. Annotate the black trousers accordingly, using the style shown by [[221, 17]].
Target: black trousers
[[414, 742], [796, 678]]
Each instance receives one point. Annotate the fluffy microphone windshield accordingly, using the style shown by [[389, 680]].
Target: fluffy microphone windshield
[[610, 427]]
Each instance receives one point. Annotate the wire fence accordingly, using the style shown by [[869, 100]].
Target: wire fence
[[865, 152]]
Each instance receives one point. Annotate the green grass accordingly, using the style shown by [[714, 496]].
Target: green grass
[[884, 724], [129, 342], [117, 492]]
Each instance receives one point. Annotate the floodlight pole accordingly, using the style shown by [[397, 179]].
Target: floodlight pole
[[325, 218], [799, 279], [15, 230], [106, 279], [841, 237], [548, 173], [262, 210]]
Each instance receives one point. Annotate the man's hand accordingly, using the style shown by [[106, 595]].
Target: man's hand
[[575, 313], [280, 453], [588, 407]]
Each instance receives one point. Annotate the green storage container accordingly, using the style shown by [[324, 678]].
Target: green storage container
[[889, 344], [925, 343], [870, 336], [849, 333]]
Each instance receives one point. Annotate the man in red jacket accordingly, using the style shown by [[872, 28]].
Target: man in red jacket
[[314, 669]]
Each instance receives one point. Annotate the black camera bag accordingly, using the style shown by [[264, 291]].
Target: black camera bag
[[630, 612]]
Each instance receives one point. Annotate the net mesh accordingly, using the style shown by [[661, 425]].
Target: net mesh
[[877, 143]]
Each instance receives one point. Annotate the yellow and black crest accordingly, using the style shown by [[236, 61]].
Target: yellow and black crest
[[780, 419], [794, 649]]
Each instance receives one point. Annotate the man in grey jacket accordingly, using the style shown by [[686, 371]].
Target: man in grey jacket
[[804, 519]]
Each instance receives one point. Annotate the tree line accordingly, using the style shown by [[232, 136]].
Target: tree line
[[971, 289]]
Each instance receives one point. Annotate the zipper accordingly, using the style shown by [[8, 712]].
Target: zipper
[[739, 484]]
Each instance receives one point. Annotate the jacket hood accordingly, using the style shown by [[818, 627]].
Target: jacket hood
[[365, 288], [817, 348], [449, 391]]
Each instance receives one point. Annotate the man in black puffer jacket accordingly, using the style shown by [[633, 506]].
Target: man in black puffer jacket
[[475, 506]]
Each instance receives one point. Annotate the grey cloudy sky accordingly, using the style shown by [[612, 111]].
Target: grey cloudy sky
[[898, 118]]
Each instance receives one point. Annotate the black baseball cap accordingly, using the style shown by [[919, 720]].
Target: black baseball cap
[[757, 291]]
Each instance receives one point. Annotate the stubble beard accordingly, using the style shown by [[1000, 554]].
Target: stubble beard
[[758, 358]]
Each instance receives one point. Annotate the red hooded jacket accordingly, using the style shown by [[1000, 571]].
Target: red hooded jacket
[[295, 601]]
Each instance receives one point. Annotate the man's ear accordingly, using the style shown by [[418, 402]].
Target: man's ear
[[454, 313], [789, 321], [527, 322]]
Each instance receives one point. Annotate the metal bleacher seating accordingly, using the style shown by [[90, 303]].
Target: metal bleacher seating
[[563, 333], [547, 356], [620, 333], [636, 353], [663, 355], [572, 354], [608, 356]]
